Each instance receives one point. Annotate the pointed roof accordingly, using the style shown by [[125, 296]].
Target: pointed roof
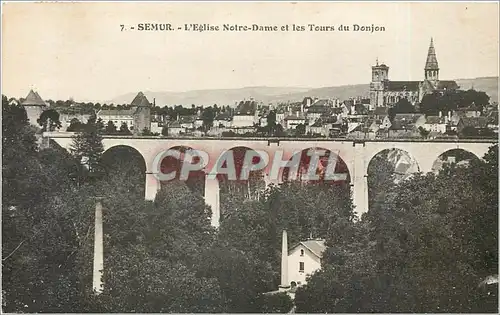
[[431, 63], [317, 247], [33, 99], [140, 100]]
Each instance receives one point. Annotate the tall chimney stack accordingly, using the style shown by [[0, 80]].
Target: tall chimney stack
[[284, 261]]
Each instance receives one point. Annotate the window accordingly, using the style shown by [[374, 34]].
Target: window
[[301, 252], [301, 266]]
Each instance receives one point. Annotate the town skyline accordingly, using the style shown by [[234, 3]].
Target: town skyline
[[465, 37]]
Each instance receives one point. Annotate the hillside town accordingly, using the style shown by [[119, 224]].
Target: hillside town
[[428, 109]]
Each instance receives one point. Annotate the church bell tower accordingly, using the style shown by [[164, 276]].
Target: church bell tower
[[431, 65], [380, 74]]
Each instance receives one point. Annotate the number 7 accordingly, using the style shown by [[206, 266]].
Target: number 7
[[122, 26]]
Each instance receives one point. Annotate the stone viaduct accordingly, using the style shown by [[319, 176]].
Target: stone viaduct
[[356, 154]]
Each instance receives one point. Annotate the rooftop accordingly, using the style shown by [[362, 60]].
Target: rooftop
[[33, 99]]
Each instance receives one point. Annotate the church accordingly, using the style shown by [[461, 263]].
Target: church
[[386, 93]]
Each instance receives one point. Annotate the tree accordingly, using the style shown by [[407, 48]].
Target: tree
[[271, 122], [450, 100], [100, 126], [423, 248], [146, 132], [208, 117], [87, 148], [110, 128], [300, 130], [124, 129], [44, 224], [164, 131], [403, 106], [75, 126], [423, 132], [49, 120]]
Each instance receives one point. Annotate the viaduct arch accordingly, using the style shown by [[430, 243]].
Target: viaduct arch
[[355, 154]]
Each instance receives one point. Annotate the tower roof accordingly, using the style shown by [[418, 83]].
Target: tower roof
[[33, 99], [431, 63], [140, 100]]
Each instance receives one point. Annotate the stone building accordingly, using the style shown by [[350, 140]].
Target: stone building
[[34, 106], [137, 118], [142, 113], [386, 93]]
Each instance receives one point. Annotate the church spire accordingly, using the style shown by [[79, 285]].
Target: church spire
[[431, 63]]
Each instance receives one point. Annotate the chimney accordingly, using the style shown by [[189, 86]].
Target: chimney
[[154, 102], [284, 261]]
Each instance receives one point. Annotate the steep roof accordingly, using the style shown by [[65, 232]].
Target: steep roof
[[380, 111], [140, 100], [447, 85], [317, 247], [360, 109], [431, 120], [405, 121], [402, 85], [33, 99], [322, 102], [478, 122], [316, 108], [431, 63]]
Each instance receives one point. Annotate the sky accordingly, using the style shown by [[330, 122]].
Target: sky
[[78, 50]]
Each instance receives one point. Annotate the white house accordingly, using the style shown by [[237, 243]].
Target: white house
[[117, 116], [291, 121], [435, 124], [304, 259], [244, 120]]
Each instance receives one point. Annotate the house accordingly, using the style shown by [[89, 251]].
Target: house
[[117, 117], [436, 124], [304, 259], [318, 127], [34, 106], [222, 120], [380, 112], [316, 111], [198, 122], [187, 122], [471, 111], [493, 121], [156, 127], [281, 113], [407, 121], [386, 122], [246, 114], [66, 119], [359, 109], [406, 126], [291, 121], [137, 118], [474, 125]]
